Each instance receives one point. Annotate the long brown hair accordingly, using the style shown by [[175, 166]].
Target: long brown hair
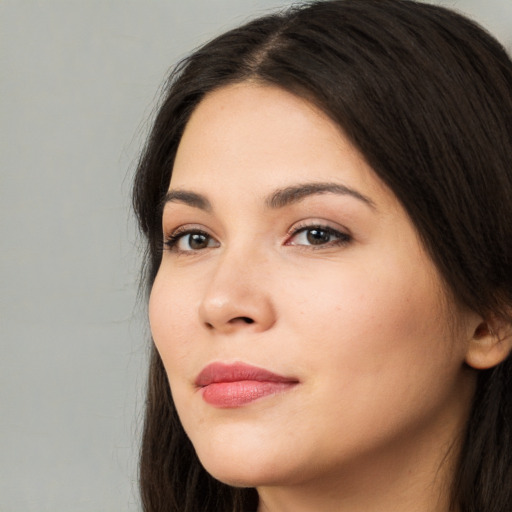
[[426, 96]]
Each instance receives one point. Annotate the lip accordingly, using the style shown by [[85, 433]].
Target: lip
[[234, 385]]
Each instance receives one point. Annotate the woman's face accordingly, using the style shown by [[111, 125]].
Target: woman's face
[[284, 252]]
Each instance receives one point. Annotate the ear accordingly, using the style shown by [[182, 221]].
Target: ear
[[490, 344]]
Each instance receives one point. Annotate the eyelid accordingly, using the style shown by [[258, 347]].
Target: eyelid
[[172, 237], [345, 236]]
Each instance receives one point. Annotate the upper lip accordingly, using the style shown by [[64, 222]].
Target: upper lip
[[235, 372]]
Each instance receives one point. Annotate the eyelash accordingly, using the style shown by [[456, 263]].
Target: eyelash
[[171, 241], [342, 239]]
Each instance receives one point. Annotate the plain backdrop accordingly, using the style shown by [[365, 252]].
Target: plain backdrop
[[78, 84]]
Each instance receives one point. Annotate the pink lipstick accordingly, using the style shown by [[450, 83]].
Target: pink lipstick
[[233, 385]]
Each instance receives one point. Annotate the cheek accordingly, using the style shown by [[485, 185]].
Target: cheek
[[371, 321], [171, 321], [377, 352]]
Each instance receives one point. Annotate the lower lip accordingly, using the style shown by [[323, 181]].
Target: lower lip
[[236, 394]]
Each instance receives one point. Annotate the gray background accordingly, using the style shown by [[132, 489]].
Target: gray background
[[78, 83]]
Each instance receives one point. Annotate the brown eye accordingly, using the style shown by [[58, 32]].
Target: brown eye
[[318, 236], [190, 241], [196, 241]]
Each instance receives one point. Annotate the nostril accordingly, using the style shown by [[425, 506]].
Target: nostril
[[244, 319]]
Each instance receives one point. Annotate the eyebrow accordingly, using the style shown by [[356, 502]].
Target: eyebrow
[[291, 195], [187, 197], [278, 199]]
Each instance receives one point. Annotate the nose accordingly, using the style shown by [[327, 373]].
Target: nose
[[238, 297]]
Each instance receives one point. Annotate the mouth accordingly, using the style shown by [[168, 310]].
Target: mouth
[[234, 385]]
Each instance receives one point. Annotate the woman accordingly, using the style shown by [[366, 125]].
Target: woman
[[326, 200]]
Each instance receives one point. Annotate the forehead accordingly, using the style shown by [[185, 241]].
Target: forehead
[[248, 138]]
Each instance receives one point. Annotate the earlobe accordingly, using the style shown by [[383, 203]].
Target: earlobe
[[490, 344]]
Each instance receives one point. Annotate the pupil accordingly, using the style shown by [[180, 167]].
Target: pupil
[[318, 236], [198, 241]]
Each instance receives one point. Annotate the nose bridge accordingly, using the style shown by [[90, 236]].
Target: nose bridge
[[237, 295]]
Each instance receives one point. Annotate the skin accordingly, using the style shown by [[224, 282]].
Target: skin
[[361, 320]]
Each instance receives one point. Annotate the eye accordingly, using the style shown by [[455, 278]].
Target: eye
[[190, 240], [318, 236]]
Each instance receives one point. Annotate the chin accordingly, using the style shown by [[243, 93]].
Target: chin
[[244, 469]]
